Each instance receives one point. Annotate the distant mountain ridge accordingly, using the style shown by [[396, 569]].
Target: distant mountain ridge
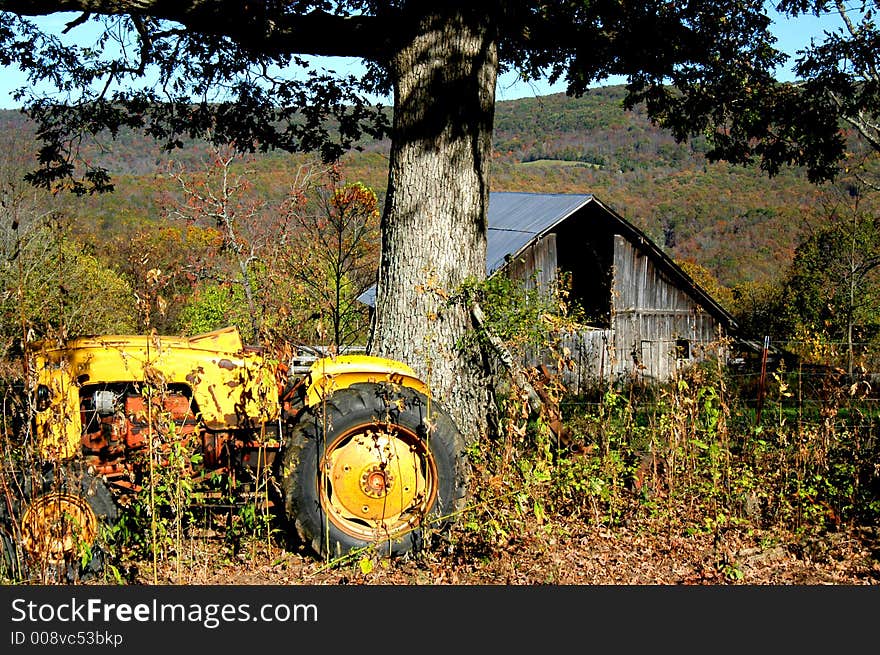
[[734, 221]]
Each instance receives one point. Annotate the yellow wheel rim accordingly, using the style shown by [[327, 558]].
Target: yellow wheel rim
[[378, 481], [57, 525]]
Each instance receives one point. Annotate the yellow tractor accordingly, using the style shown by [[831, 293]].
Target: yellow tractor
[[357, 451]]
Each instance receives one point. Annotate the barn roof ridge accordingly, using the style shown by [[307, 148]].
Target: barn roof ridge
[[524, 213]]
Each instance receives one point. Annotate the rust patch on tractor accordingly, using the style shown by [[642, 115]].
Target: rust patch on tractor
[[214, 398], [195, 376]]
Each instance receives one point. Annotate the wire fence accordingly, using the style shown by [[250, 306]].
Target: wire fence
[[792, 373]]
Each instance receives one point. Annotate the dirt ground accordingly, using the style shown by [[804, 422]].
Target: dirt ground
[[566, 553]]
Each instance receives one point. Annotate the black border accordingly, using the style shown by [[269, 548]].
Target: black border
[[463, 618]]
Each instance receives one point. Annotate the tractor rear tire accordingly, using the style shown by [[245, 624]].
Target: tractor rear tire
[[375, 465]]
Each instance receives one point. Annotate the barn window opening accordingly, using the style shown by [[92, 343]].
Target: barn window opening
[[682, 349]]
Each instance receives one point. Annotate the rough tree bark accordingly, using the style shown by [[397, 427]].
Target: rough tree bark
[[434, 221]]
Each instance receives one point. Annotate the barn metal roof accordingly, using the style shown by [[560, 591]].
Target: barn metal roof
[[517, 219], [514, 221]]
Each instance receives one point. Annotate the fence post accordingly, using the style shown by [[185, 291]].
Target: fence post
[[762, 380]]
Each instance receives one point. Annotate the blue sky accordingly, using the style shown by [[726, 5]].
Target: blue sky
[[792, 34]]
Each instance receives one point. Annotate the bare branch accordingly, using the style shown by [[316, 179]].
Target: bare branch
[[856, 33]]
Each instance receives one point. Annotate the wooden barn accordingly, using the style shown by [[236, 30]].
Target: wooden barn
[[647, 317]]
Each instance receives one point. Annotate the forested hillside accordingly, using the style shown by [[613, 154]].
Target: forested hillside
[[735, 221]]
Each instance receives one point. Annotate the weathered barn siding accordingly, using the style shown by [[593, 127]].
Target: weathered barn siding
[[656, 325], [592, 359], [536, 264]]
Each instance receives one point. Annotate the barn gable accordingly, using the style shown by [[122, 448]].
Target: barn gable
[[646, 315]]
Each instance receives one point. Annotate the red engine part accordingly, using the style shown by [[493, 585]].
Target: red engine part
[[174, 407], [117, 424], [107, 438]]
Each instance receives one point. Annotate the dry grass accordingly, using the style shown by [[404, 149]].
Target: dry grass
[[650, 551]]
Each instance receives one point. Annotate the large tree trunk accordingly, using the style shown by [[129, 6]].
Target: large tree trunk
[[434, 222]]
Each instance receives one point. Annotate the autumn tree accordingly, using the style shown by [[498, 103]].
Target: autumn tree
[[49, 283], [708, 282], [52, 287], [333, 253], [247, 229], [191, 69], [834, 282], [22, 212], [759, 309], [158, 262]]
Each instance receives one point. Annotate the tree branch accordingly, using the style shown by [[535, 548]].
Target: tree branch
[[247, 23], [79, 20]]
